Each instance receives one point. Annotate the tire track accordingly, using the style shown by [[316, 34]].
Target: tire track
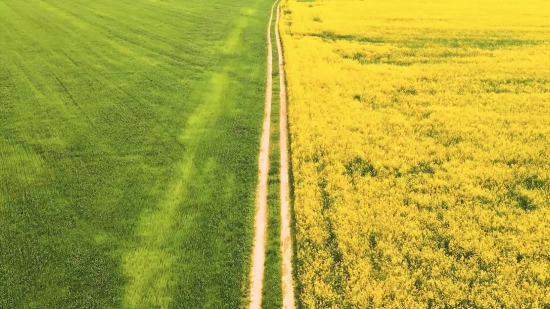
[[260, 219], [286, 240]]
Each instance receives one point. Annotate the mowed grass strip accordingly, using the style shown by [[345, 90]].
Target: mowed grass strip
[[129, 133]]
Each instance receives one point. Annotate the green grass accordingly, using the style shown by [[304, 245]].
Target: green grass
[[129, 136]]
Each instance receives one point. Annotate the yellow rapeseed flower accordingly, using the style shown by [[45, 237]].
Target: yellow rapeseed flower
[[420, 135]]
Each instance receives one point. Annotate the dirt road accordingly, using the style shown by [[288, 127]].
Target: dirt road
[[260, 220], [286, 239]]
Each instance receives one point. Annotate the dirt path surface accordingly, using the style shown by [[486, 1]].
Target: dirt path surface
[[286, 240], [260, 220]]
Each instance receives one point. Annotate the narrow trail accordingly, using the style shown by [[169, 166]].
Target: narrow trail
[[286, 239], [260, 219]]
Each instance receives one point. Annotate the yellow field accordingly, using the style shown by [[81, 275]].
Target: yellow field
[[420, 139]]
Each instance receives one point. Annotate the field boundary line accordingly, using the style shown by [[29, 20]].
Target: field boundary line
[[286, 239], [260, 219]]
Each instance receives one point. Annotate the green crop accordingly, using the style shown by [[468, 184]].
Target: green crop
[[129, 133]]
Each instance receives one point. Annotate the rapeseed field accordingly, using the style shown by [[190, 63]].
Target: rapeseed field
[[420, 140]]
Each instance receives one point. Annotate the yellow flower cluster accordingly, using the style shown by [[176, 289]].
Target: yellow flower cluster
[[420, 140]]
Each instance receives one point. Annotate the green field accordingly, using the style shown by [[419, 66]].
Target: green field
[[129, 133]]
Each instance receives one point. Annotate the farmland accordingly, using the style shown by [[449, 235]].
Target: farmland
[[419, 146], [129, 133], [420, 152]]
